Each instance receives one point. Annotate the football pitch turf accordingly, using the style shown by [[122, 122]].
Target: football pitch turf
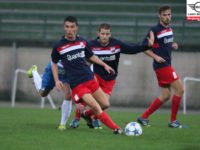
[[36, 129]]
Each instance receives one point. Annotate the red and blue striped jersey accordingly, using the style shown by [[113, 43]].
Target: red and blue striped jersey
[[110, 54], [73, 55], [162, 44]]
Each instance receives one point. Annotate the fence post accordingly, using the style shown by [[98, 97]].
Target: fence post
[[13, 63]]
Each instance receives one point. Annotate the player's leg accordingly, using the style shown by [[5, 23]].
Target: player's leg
[[101, 115], [106, 90], [33, 73], [89, 113], [176, 100], [103, 101], [101, 98], [156, 104], [83, 92], [47, 83], [43, 90], [66, 107], [75, 122], [80, 107]]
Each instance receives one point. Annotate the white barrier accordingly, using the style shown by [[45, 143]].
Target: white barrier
[[17, 71], [185, 93]]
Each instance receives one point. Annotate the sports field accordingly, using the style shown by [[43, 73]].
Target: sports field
[[36, 129]]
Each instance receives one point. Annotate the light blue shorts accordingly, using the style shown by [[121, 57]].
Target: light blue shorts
[[48, 80]]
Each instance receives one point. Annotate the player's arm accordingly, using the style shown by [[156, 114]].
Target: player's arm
[[133, 49], [149, 52], [55, 58], [58, 83], [98, 61], [154, 56]]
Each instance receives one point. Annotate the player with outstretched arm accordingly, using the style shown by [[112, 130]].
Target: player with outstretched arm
[[109, 49]]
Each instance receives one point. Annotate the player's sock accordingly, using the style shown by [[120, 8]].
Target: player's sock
[[89, 113], [94, 117], [175, 106], [37, 80], [77, 114], [65, 111], [105, 119], [153, 107]]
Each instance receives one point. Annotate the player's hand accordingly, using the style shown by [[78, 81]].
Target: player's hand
[[175, 45], [109, 69], [59, 85], [159, 59], [151, 39]]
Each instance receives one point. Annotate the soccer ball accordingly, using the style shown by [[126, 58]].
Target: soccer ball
[[133, 129]]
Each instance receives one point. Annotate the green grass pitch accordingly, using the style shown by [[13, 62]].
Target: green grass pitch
[[36, 129]]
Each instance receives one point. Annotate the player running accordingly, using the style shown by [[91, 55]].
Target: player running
[[73, 52], [167, 77], [45, 84], [108, 49]]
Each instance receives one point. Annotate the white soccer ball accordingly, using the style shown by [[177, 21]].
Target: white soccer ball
[[133, 129]]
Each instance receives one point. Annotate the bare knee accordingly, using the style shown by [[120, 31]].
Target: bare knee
[[165, 97], [68, 96], [178, 87], [44, 93], [180, 91], [105, 106], [67, 92]]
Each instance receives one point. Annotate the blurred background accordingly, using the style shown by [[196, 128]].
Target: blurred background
[[28, 29]]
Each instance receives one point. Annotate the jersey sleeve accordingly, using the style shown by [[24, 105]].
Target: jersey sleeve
[[88, 51], [55, 56], [133, 48]]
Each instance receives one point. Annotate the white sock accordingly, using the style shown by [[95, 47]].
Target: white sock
[[37, 80], [66, 109]]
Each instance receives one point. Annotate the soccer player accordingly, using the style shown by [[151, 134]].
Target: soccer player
[[73, 51], [167, 77], [45, 84], [108, 49]]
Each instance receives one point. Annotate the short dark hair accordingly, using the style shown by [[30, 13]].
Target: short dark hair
[[163, 8], [104, 26], [71, 19]]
